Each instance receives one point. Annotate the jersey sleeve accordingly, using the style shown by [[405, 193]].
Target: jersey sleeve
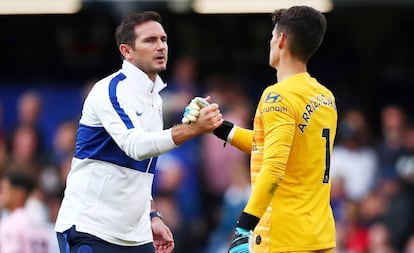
[[279, 127], [242, 139]]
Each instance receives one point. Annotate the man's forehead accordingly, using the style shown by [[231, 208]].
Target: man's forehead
[[150, 29]]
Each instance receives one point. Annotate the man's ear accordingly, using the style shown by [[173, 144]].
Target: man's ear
[[281, 40], [125, 50]]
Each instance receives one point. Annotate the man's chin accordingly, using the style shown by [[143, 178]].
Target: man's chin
[[160, 68]]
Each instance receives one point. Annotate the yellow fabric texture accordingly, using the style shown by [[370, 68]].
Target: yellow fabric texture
[[294, 129], [242, 139]]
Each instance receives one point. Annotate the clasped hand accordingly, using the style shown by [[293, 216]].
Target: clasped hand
[[192, 110]]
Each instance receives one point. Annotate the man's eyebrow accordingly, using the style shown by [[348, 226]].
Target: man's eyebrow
[[152, 36]]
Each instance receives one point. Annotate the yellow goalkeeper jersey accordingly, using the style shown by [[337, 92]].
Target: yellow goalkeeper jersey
[[293, 135]]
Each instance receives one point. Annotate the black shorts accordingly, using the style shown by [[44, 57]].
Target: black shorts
[[72, 241]]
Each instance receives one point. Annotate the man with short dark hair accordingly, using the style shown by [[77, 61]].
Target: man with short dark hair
[[20, 232], [108, 207]]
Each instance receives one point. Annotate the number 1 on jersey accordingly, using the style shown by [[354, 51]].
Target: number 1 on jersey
[[326, 135]]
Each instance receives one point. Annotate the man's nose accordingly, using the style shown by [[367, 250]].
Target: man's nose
[[161, 44]]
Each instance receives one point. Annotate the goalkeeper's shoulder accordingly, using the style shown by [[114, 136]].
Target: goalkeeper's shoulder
[[238, 137]]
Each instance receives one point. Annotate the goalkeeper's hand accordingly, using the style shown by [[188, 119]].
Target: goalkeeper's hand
[[192, 110], [241, 241]]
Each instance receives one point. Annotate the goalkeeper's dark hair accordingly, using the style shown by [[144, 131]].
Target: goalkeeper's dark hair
[[125, 32], [304, 28]]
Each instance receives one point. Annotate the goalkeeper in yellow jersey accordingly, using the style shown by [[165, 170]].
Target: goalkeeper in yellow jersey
[[290, 146]]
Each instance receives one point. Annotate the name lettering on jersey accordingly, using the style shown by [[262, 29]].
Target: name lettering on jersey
[[271, 98], [312, 106]]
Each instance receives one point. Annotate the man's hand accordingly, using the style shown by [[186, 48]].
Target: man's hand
[[163, 238], [209, 119], [192, 110], [241, 241]]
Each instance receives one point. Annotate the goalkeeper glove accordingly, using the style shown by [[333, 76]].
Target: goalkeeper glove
[[192, 110], [241, 241]]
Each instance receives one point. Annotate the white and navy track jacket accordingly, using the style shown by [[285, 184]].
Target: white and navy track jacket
[[120, 135]]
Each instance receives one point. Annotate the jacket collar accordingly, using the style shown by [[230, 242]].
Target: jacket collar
[[146, 84]]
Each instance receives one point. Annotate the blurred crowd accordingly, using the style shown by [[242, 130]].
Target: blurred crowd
[[202, 186]]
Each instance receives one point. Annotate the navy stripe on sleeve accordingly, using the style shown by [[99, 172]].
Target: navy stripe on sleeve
[[113, 84], [96, 143]]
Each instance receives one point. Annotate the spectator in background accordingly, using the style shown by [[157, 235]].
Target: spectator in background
[[54, 176], [64, 141], [338, 199], [176, 193], [390, 146], [354, 158], [405, 162], [372, 208], [234, 200], [24, 158], [399, 216], [25, 154], [340, 203], [29, 109], [24, 149], [20, 232], [353, 234], [355, 221], [379, 239]]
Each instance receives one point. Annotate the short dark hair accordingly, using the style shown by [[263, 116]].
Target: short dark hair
[[125, 34], [304, 28], [20, 179]]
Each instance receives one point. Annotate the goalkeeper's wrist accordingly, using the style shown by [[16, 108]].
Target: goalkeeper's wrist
[[224, 130], [242, 230], [247, 221]]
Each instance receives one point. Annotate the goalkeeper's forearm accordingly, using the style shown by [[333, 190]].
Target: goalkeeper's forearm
[[238, 137]]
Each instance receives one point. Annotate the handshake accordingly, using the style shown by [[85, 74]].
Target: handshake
[[192, 110]]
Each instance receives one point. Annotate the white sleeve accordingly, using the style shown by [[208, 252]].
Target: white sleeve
[[142, 145], [124, 128]]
